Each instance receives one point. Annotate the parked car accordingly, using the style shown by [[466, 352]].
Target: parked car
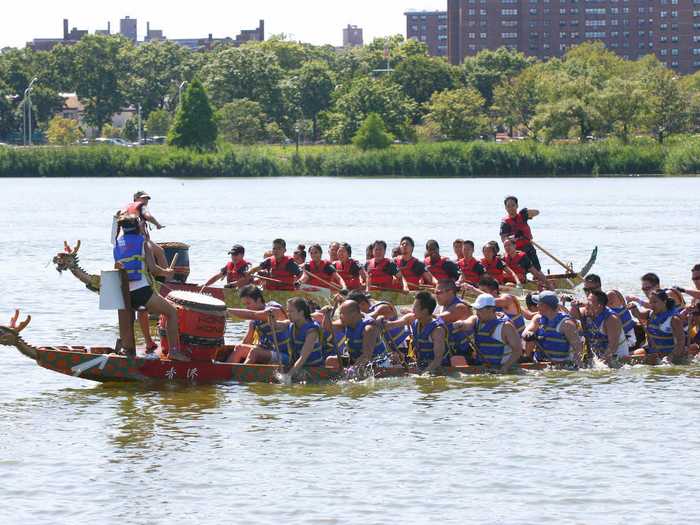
[[104, 141]]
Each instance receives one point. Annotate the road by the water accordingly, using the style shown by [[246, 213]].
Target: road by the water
[[555, 447]]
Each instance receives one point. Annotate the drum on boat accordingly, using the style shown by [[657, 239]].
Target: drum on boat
[[201, 322], [182, 268]]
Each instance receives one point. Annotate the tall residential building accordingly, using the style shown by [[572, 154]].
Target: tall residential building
[[352, 36], [128, 28], [669, 29], [429, 27]]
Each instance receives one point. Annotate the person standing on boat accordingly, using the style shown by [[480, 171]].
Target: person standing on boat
[[235, 270], [321, 273], [470, 269], [555, 333], [665, 332], [134, 255], [521, 264], [516, 224], [618, 305], [602, 327], [494, 265], [350, 270], [382, 273], [439, 267], [413, 271], [259, 313], [496, 339], [282, 270], [452, 309]]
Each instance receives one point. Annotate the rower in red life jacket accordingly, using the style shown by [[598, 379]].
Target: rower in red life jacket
[[235, 270], [521, 263], [283, 271], [299, 255], [333, 248], [495, 266], [471, 269], [349, 269], [457, 247], [382, 273], [321, 273], [439, 267], [412, 270], [515, 224]]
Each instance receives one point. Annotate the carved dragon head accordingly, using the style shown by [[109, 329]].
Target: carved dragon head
[[9, 335], [68, 258]]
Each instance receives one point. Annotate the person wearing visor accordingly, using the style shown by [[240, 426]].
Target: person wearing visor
[[235, 270]]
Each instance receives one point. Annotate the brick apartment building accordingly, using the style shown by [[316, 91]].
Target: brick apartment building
[[429, 27], [670, 29]]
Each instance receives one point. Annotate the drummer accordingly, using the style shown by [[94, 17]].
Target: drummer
[[235, 270]]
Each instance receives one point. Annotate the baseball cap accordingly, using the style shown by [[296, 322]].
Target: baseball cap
[[359, 296], [484, 301], [546, 297], [237, 249], [141, 195]]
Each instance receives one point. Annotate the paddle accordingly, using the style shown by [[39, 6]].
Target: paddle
[[568, 267], [328, 283], [336, 349], [389, 343], [283, 378]]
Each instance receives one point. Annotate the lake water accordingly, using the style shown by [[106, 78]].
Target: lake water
[[556, 447]]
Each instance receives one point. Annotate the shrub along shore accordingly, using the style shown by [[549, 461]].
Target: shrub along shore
[[680, 156]]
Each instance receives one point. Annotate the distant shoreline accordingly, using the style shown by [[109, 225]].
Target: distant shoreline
[[434, 160]]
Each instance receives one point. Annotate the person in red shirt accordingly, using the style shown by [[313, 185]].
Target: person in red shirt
[[457, 246], [282, 270], [470, 268], [412, 270], [321, 273], [234, 271], [521, 264], [439, 267], [516, 225], [382, 273], [349, 269], [495, 266]]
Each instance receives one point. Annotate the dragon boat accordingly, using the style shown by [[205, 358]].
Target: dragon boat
[[68, 260]]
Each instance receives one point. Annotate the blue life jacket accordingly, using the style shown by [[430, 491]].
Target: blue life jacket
[[660, 337], [491, 350], [298, 337], [264, 331], [129, 251], [457, 341], [594, 330], [518, 320], [423, 345], [554, 345], [353, 340], [625, 318], [398, 335]]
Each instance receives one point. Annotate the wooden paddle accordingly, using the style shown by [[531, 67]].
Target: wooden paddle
[[328, 283], [278, 356], [568, 267], [331, 314]]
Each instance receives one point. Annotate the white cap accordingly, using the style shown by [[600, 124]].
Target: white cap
[[484, 301]]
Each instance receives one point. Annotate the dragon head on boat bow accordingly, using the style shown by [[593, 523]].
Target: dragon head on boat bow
[[10, 335], [67, 260]]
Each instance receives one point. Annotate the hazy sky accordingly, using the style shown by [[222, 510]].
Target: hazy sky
[[315, 21]]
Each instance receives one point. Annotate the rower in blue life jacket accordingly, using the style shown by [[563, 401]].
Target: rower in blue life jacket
[[452, 309], [665, 328], [361, 334], [496, 339], [602, 328], [385, 309], [618, 304], [506, 304], [556, 335]]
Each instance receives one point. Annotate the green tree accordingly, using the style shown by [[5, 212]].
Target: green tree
[[372, 134], [130, 131], [421, 76], [290, 55], [398, 48], [458, 114], [315, 85], [63, 131], [515, 101], [158, 123], [487, 69], [668, 102], [242, 121], [8, 124], [620, 106], [194, 126]]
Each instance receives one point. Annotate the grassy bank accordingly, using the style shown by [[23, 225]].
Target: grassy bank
[[475, 159]]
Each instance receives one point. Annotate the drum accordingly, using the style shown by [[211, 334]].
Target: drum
[[182, 268], [201, 323]]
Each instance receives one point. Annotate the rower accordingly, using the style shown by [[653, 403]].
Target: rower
[[521, 264], [350, 270], [494, 265], [333, 248], [376, 309], [439, 267], [693, 312], [382, 273], [470, 269], [665, 333], [506, 304], [555, 333], [602, 327], [321, 273], [282, 270], [258, 312], [299, 255], [496, 339], [650, 284], [457, 246], [515, 224], [451, 309], [235, 270], [412, 270], [134, 255], [361, 335], [618, 305]]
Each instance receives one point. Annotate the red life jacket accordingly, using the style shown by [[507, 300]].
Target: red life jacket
[[407, 270], [468, 269], [134, 208], [514, 264], [279, 272], [233, 270], [318, 270], [352, 282], [378, 276], [520, 230], [437, 269], [492, 269]]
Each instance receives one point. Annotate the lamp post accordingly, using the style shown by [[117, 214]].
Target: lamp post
[[179, 92], [28, 109]]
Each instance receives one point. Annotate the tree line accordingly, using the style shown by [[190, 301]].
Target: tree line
[[275, 90]]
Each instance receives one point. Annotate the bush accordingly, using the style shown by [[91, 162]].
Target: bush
[[63, 131], [372, 134], [194, 125]]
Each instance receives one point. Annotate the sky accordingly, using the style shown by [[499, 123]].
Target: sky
[[314, 21]]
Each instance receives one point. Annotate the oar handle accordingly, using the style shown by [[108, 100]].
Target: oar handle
[[567, 267]]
